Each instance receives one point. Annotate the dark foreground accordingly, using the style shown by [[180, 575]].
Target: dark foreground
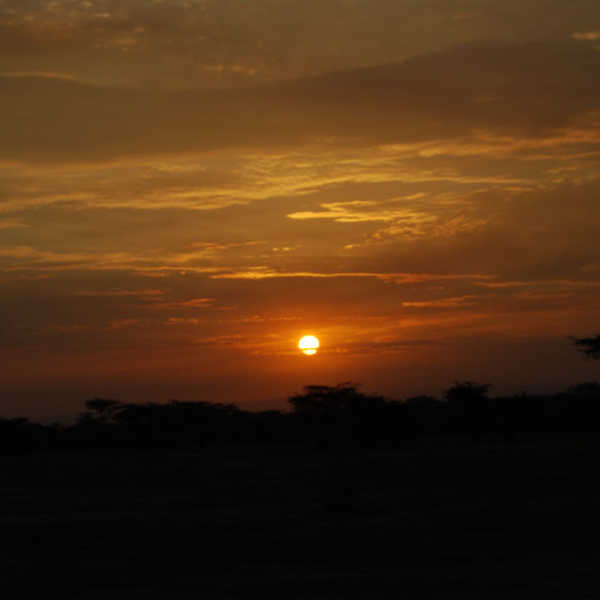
[[436, 518]]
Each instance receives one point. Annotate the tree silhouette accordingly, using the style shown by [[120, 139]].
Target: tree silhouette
[[468, 403], [590, 346], [101, 409], [585, 387], [466, 392], [340, 414], [321, 400]]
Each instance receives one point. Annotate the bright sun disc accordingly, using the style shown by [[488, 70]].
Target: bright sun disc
[[309, 345]]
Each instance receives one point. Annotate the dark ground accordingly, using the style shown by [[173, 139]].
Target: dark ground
[[437, 518]]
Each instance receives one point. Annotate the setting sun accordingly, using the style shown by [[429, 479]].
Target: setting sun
[[309, 345]]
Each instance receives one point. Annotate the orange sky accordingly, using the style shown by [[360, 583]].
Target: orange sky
[[187, 187]]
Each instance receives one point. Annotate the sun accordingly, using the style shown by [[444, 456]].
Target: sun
[[309, 345]]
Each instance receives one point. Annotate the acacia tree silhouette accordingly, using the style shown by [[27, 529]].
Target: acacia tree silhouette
[[101, 410]]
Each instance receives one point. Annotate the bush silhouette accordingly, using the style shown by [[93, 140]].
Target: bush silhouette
[[589, 346], [324, 400], [468, 405], [102, 410]]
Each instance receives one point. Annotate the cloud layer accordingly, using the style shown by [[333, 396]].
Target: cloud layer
[[528, 90]]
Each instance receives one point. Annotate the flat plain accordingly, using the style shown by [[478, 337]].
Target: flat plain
[[434, 517]]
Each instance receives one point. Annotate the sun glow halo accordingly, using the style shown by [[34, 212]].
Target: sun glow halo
[[309, 345]]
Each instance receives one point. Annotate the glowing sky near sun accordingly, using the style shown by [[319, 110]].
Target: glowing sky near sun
[[186, 187]]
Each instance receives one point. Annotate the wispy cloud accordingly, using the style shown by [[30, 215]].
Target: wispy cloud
[[148, 293], [27, 258], [12, 224], [431, 229], [360, 211], [557, 283], [192, 303], [587, 35], [399, 278], [125, 323], [455, 302], [181, 321], [43, 74]]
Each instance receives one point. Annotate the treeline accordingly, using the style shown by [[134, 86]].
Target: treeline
[[322, 417]]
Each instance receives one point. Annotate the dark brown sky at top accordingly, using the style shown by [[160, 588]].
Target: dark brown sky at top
[[187, 187], [212, 43]]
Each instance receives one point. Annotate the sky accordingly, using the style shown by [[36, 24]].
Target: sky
[[189, 186]]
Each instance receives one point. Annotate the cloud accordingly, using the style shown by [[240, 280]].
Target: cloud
[[544, 233], [157, 184], [232, 340], [124, 323], [179, 44], [520, 90], [586, 35], [40, 256], [42, 74], [426, 228], [408, 217], [12, 224], [380, 348], [192, 303], [27, 258], [181, 321], [257, 273], [455, 302], [549, 232], [145, 294], [562, 284], [358, 211], [231, 179]]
